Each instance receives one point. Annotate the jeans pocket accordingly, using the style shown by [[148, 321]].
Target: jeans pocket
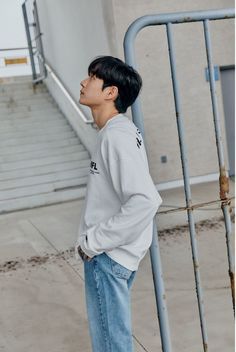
[[120, 271]]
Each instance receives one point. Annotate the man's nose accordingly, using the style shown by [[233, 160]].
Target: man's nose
[[83, 82]]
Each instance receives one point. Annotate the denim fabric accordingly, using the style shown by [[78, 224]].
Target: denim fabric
[[107, 286]]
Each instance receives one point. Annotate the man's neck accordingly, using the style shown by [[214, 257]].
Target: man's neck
[[101, 117]]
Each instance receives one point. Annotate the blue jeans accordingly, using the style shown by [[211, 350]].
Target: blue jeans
[[107, 288]]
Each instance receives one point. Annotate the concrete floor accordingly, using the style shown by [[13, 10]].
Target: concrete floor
[[42, 289]]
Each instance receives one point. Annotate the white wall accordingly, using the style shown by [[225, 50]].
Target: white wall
[[12, 35], [74, 32]]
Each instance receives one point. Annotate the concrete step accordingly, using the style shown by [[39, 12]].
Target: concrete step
[[29, 107], [21, 96], [30, 132], [4, 98], [37, 139], [41, 200], [39, 146], [16, 165], [21, 93], [23, 86], [41, 188], [42, 161], [7, 116], [11, 119], [43, 170], [31, 155], [15, 126], [16, 79], [79, 174], [6, 89], [25, 100]]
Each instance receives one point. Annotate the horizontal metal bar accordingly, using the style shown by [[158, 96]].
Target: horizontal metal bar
[[160, 19], [11, 49], [182, 17]]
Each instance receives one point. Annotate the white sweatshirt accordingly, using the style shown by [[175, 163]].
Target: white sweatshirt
[[121, 199]]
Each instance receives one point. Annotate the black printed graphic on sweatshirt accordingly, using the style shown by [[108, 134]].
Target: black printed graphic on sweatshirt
[[139, 138], [93, 168]]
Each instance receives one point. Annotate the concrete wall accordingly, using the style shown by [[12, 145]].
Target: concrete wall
[[157, 96]]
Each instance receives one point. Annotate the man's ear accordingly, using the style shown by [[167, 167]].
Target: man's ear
[[112, 93]]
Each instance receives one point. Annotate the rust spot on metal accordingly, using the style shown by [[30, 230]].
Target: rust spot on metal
[[187, 19], [205, 346], [224, 184], [196, 265]]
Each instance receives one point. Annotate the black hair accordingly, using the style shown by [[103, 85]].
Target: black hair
[[115, 72]]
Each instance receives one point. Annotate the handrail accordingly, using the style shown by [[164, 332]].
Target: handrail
[[67, 93], [10, 49]]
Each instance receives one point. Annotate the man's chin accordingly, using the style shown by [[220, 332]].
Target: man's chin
[[82, 102]]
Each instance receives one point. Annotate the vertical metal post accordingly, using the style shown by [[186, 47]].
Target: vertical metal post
[[182, 143], [38, 41], [29, 41], [155, 257], [224, 180], [160, 292]]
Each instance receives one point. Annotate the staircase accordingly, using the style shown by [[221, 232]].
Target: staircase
[[42, 160]]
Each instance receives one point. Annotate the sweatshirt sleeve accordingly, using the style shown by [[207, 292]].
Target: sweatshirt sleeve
[[128, 171]]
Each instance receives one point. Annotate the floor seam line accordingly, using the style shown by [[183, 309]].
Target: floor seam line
[[53, 246]]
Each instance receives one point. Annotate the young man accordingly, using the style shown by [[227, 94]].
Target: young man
[[115, 230]]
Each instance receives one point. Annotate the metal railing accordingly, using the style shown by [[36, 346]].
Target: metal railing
[[31, 21], [168, 20]]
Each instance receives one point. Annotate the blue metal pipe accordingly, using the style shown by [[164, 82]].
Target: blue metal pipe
[[183, 152], [160, 292], [224, 181], [155, 257]]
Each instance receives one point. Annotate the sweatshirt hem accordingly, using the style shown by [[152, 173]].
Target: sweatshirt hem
[[126, 263]]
